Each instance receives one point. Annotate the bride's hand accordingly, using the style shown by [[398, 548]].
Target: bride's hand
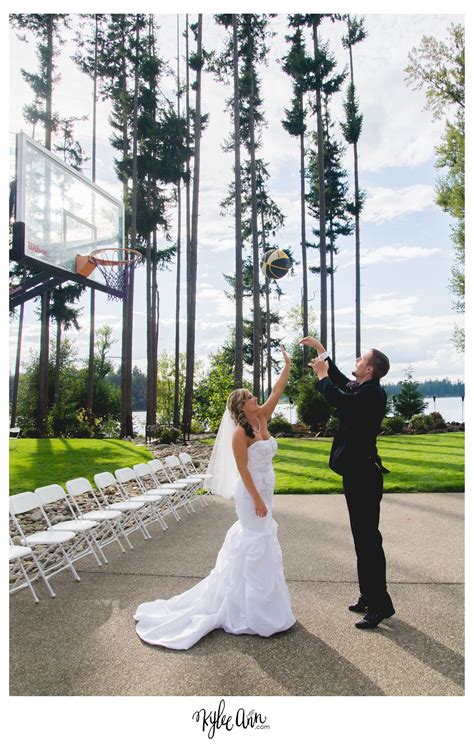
[[286, 356], [260, 508]]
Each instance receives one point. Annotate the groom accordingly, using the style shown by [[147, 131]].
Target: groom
[[360, 408]]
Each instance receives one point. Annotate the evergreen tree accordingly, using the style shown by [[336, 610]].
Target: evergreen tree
[[338, 210], [89, 38], [196, 62], [297, 64], [16, 378], [221, 66], [323, 80], [439, 68], [409, 400], [351, 129], [47, 28]]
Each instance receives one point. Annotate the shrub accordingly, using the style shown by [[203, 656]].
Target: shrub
[[331, 426], [393, 424], [420, 423], [278, 424], [167, 434], [310, 404], [436, 421]]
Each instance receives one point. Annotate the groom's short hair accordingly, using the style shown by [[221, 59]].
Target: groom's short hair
[[380, 364]]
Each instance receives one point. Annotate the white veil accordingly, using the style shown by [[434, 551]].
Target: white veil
[[222, 471]]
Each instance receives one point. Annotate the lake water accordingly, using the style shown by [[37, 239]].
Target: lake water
[[451, 409]]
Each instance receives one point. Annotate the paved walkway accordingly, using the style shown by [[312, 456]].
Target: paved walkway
[[84, 642]]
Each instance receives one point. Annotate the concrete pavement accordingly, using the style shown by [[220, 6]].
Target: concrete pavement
[[84, 641]]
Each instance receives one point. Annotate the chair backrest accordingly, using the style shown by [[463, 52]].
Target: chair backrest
[[50, 494], [172, 461], [104, 480], [124, 475], [142, 470], [20, 503], [78, 486], [185, 458], [156, 466]]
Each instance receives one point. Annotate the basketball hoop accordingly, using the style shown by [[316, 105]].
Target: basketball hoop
[[112, 264]]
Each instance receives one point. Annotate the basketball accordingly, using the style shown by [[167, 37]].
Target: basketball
[[275, 264]]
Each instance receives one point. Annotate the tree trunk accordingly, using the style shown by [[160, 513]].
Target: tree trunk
[[269, 340], [16, 379], [90, 369], [257, 323], [128, 416], [191, 309], [57, 366], [44, 342], [176, 411], [124, 375], [150, 318], [150, 341], [239, 287], [155, 315], [304, 266], [49, 85], [268, 328], [357, 225], [357, 254], [333, 314], [94, 102], [322, 205], [42, 411]]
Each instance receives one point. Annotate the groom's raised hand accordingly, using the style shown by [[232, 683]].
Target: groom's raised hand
[[313, 342], [320, 367]]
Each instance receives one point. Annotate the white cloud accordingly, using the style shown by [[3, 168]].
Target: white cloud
[[392, 253], [388, 306], [386, 204]]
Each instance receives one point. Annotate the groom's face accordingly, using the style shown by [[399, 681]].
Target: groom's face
[[363, 366]]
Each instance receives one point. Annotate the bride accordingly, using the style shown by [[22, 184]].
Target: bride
[[246, 590]]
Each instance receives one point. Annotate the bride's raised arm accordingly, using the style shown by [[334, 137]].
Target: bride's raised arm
[[269, 406]]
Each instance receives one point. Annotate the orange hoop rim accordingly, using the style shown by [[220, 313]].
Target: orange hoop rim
[[134, 257]]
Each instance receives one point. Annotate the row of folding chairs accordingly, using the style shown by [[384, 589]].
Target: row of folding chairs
[[129, 501]]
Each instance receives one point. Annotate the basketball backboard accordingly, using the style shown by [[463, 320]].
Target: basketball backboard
[[60, 215]]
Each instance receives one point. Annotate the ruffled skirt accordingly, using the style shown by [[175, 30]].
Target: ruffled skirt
[[245, 592]]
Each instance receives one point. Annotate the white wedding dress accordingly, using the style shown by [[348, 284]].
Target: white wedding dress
[[246, 591]]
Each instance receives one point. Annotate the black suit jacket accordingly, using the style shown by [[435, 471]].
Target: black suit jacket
[[360, 411]]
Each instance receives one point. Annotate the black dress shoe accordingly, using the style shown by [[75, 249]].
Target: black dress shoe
[[359, 606], [372, 619]]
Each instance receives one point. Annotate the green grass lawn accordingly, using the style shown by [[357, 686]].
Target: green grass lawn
[[39, 462], [422, 463]]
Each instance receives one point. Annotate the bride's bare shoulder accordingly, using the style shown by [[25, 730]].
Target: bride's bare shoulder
[[239, 433]]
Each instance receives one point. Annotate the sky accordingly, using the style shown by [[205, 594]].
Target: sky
[[407, 309]]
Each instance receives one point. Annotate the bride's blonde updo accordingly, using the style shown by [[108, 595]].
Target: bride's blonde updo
[[235, 403]]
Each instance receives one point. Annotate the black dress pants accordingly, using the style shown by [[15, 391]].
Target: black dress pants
[[363, 489]]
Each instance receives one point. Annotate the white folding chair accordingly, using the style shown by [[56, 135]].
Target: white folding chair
[[175, 467], [191, 471], [49, 546], [181, 487], [109, 520], [83, 528], [14, 434], [146, 476], [23, 573], [126, 477], [134, 511]]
